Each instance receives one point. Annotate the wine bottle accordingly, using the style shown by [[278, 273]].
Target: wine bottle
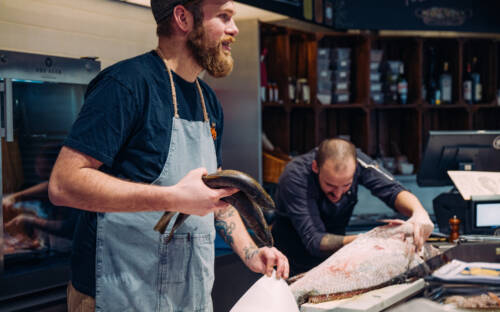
[[445, 85], [477, 88], [433, 92], [402, 85], [468, 85]]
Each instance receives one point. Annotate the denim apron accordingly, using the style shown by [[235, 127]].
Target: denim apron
[[135, 269]]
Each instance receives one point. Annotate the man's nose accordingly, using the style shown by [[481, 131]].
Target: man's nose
[[337, 193], [232, 29]]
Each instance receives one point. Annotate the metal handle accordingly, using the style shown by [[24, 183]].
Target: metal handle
[[8, 133], [8, 130]]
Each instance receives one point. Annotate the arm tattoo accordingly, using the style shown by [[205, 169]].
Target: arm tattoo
[[225, 230], [225, 213], [250, 251]]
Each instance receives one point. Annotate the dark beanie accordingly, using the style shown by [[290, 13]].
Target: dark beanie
[[163, 8]]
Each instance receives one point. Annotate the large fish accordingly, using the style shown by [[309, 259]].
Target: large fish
[[250, 202], [371, 261]]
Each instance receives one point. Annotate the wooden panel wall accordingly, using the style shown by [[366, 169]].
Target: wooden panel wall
[[110, 30]]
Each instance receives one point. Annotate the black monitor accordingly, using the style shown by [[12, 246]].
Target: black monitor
[[477, 150], [484, 215]]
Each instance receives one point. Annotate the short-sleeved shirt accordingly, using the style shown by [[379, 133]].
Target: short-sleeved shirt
[[305, 214], [126, 123]]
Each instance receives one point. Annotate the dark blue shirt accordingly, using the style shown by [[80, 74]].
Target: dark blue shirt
[[305, 214], [126, 124]]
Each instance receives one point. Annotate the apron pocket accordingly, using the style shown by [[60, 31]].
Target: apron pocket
[[187, 268], [174, 259]]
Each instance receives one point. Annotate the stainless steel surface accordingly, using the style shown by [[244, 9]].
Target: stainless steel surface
[[8, 111], [479, 238], [28, 66]]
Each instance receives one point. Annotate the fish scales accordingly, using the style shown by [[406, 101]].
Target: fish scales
[[370, 261]]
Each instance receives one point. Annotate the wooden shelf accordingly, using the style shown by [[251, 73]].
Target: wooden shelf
[[445, 106], [393, 106], [344, 106], [298, 127], [273, 104]]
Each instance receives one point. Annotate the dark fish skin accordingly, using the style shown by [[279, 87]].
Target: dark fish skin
[[249, 202], [252, 217], [242, 181]]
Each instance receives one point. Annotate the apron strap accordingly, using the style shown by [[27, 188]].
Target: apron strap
[[174, 94]]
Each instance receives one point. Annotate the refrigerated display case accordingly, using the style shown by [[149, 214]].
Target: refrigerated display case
[[40, 97]]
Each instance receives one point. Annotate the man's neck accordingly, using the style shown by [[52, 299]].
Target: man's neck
[[179, 58]]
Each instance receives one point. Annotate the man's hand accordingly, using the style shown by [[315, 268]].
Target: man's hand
[[193, 197], [263, 260], [423, 228]]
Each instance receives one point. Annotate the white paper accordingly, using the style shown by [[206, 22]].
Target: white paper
[[267, 295], [476, 183]]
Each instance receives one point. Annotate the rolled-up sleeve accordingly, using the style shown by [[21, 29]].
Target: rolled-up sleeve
[[381, 183], [295, 200]]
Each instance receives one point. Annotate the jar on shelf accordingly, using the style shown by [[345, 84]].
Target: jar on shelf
[[292, 90], [303, 91]]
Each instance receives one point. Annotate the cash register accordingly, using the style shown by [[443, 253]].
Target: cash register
[[463, 150]]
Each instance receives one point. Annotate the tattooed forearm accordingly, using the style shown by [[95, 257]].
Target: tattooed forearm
[[250, 251], [225, 230], [225, 213]]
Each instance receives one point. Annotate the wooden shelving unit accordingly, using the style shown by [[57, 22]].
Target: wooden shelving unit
[[375, 128]]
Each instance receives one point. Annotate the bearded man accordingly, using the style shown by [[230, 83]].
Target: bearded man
[[142, 141]]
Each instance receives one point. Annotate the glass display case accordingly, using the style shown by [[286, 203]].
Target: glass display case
[[40, 97]]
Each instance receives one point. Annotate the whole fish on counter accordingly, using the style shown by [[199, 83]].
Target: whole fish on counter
[[250, 202], [369, 262]]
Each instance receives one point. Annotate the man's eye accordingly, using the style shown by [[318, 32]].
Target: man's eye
[[225, 17]]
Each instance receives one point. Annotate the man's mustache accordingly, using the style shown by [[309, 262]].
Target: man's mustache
[[228, 39]]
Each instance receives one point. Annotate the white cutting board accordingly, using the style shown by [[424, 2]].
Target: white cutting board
[[372, 301]]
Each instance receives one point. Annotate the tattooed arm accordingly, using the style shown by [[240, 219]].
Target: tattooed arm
[[262, 260], [230, 226]]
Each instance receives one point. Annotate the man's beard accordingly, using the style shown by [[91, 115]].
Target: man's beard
[[213, 59]]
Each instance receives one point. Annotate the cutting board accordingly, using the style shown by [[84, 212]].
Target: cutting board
[[372, 301]]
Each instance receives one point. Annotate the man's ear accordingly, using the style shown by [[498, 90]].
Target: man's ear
[[183, 18], [314, 167]]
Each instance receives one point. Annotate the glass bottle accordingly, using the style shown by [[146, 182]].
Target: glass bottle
[[291, 89], [402, 86], [445, 85], [477, 88], [433, 92], [468, 85]]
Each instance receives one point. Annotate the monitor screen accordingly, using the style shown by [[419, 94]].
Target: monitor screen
[[477, 150], [488, 214]]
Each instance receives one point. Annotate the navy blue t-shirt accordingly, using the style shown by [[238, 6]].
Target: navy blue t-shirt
[[305, 214], [126, 123]]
